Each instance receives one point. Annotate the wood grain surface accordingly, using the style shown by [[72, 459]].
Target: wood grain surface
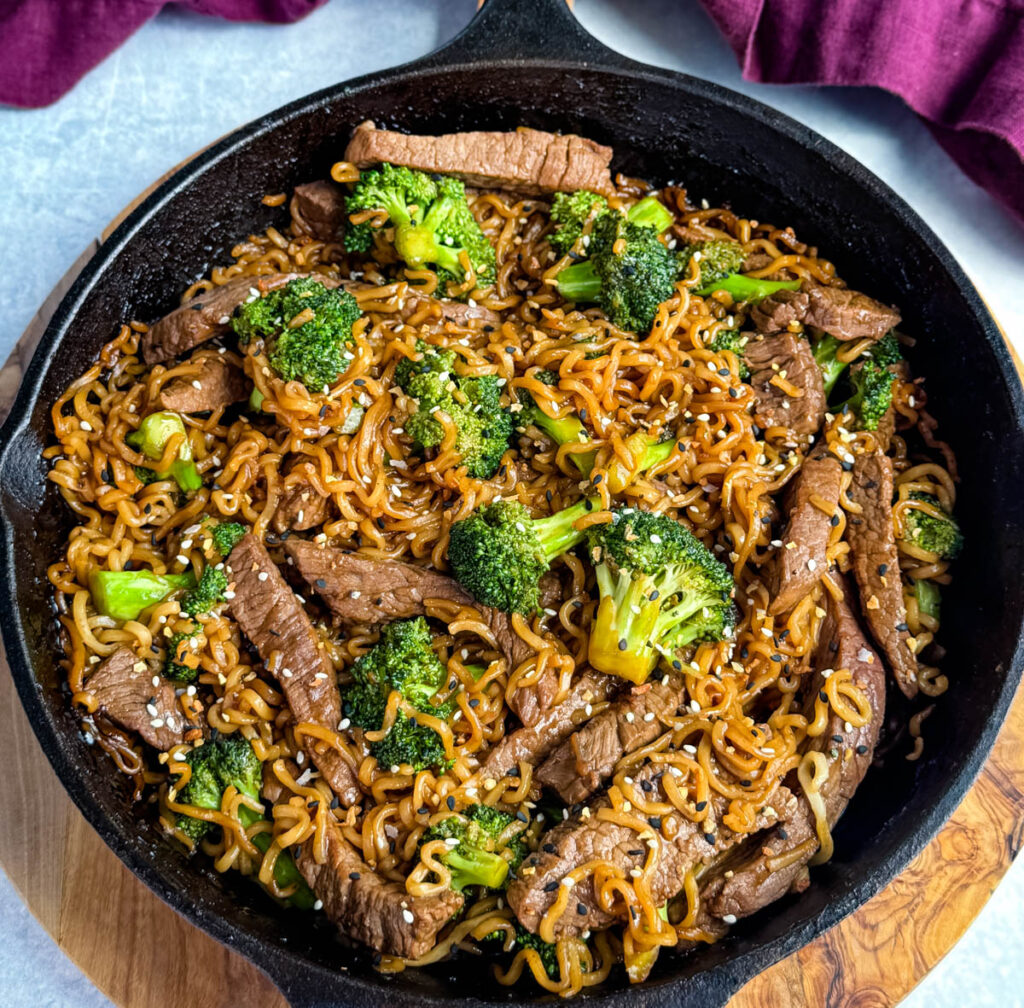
[[132, 946]]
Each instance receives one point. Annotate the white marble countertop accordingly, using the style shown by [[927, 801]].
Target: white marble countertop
[[184, 80]]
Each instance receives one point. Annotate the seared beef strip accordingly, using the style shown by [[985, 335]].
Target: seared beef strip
[[876, 565], [301, 506], [812, 500], [752, 884], [457, 312], [219, 382], [122, 686], [206, 316], [526, 161], [532, 743], [318, 209], [577, 768], [785, 357], [359, 589], [582, 839], [373, 910], [845, 314], [272, 617]]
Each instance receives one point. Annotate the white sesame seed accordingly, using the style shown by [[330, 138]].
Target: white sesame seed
[[630, 716], [729, 919], [262, 576], [649, 716]]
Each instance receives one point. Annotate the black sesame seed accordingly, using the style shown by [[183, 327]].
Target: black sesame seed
[[551, 887], [861, 750], [834, 520], [902, 627], [354, 875], [360, 382], [837, 738], [637, 852], [654, 821], [451, 803], [783, 835], [623, 644], [583, 414], [677, 664], [882, 568], [776, 658], [549, 848], [709, 837], [701, 805], [548, 496], [522, 816], [598, 478], [745, 783], [822, 695], [646, 785], [475, 702], [581, 908], [321, 583]]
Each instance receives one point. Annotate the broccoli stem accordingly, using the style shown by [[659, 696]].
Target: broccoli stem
[[618, 477], [286, 872], [151, 438], [650, 212], [123, 595], [928, 598], [579, 282], [625, 625], [473, 866], [745, 288], [825, 356], [556, 533]]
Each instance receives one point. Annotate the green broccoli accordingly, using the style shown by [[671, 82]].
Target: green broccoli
[[483, 426], [887, 350], [720, 265], [306, 327], [403, 660], [433, 224], [734, 341], [209, 592], [548, 951], [151, 438], [928, 597], [489, 846], [226, 535], [872, 385], [225, 762], [177, 646], [123, 595], [628, 284], [563, 430], [660, 589], [825, 356], [499, 553], [571, 211], [936, 535]]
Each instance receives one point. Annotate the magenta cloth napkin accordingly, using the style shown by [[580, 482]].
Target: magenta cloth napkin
[[47, 45], [958, 63]]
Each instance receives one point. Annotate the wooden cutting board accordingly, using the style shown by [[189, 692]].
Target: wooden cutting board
[[135, 949]]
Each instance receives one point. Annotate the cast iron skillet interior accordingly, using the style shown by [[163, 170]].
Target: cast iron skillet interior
[[528, 62]]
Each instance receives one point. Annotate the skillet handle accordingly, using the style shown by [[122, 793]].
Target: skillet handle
[[505, 31]]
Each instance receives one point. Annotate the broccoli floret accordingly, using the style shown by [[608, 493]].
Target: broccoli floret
[[229, 761], [226, 535], [887, 350], [209, 592], [660, 589], [312, 351], [123, 595], [927, 532], [178, 646], [569, 213], [433, 225], [403, 660], [151, 439], [483, 426], [499, 553], [872, 385], [547, 951], [490, 846], [629, 273], [720, 265], [734, 341]]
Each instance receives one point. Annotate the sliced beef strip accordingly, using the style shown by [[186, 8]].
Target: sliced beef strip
[[787, 357], [359, 589], [526, 161], [301, 506], [580, 840], [217, 383], [371, 909], [797, 568], [532, 743], [272, 617], [845, 314], [751, 884], [319, 209], [577, 768], [456, 312], [876, 565], [122, 686]]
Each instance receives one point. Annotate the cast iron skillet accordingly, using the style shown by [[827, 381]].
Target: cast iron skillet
[[528, 62]]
